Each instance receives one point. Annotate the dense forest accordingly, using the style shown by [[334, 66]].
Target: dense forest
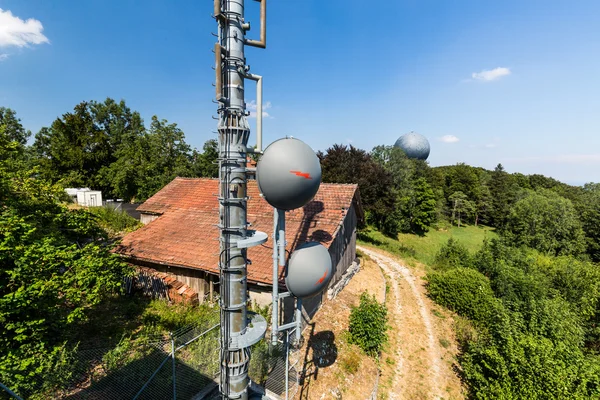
[[529, 301], [106, 146], [405, 195]]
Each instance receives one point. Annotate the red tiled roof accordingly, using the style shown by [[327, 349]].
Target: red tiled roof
[[186, 234]]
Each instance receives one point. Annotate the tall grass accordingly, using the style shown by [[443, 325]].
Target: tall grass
[[114, 221]]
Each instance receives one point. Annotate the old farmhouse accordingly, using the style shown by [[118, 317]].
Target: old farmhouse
[[180, 242]]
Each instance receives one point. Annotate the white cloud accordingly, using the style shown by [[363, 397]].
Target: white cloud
[[3, 57], [491, 74], [251, 106], [16, 32], [449, 139], [490, 145]]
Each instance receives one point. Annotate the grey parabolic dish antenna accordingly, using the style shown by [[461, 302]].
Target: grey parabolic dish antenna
[[288, 174], [309, 270], [414, 145]]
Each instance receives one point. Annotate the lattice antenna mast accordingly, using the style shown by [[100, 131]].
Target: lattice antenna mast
[[237, 335]]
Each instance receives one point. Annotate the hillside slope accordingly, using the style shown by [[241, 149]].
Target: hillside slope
[[419, 362]]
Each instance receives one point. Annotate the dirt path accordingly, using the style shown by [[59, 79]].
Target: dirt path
[[422, 366]]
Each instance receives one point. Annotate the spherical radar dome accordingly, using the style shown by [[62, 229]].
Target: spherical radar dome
[[414, 145], [309, 270], [288, 174]]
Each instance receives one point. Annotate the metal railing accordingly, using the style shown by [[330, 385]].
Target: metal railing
[[10, 392], [178, 367], [283, 378], [210, 369]]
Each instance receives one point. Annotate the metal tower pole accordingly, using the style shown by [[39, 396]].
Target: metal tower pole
[[233, 138], [233, 132]]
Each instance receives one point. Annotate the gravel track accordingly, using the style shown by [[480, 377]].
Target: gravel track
[[418, 362]]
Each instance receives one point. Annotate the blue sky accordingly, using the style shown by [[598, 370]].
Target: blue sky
[[516, 82]]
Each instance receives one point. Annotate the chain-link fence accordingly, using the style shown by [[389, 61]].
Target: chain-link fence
[[176, 366], [183, 365]]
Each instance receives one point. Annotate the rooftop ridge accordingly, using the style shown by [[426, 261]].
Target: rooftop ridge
[[186, 232]]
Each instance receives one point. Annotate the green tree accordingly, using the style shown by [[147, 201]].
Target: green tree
[[534, 317], [461, 206], [547, 222], [483, 202], [463, 178], [416, 204], [104, 145], [13, 130], [588, 208], [127, 173], [65, 148], [503, 192], [205, 164], [395, 161], [473, 182], [401, 170], [343, 164], [79, 148], [166, 156], [537, 181], [423, 214], [54, 267]]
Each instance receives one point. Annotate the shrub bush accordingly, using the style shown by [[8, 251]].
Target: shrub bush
[[452, 255], [368, 325], [350, 361], [114, 221], [466, 292], [523, 366], [538, 340], [160, 316]]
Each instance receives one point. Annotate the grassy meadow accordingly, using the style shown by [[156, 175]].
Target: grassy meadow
[[424, 248]]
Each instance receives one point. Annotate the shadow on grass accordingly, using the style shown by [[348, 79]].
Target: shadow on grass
[[365, 237], [324, 354], [389, 244], [124, 342], [127, 381], [109, 321]]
